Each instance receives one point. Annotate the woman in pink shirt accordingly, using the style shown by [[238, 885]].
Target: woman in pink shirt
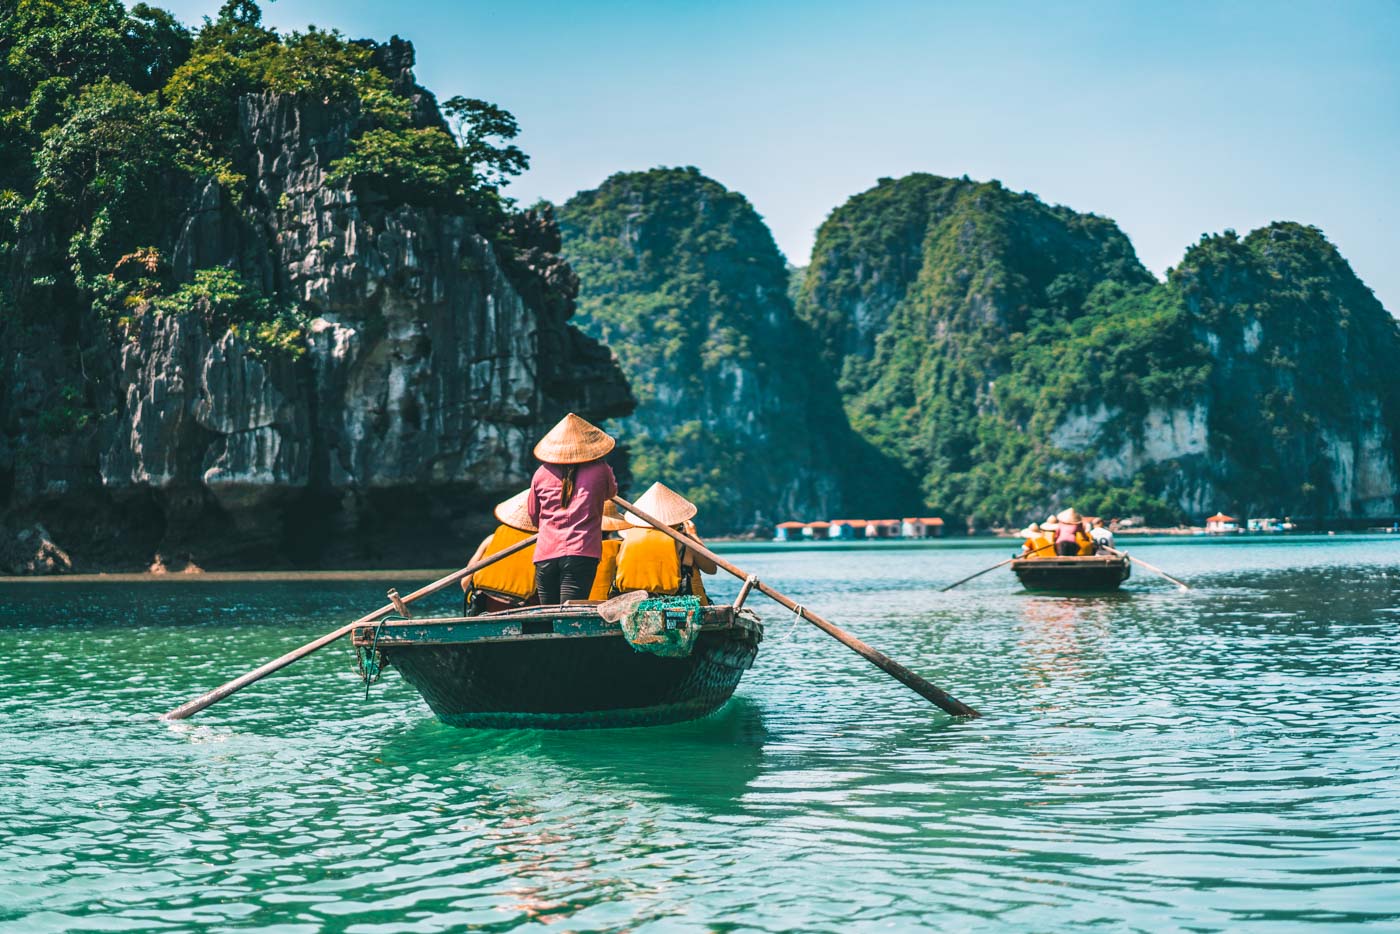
[[567, 496], [1067, 535]]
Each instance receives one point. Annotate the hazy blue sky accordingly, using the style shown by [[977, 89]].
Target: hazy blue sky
[[1174, 119]]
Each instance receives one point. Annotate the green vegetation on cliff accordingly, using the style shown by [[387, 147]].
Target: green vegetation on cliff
[[108, 117], [1015, 355], [683, 280], [1302, 362], [116, 123]]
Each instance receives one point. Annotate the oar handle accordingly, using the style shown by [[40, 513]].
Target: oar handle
[[909, 679], [257, 674]]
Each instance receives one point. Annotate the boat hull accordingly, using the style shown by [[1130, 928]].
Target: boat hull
[[1078, 574], [563, 668]]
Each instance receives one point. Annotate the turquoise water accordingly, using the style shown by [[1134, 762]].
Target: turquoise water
[[1223, 759]]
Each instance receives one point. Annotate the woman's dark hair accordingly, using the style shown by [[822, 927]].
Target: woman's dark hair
[[570, 478]]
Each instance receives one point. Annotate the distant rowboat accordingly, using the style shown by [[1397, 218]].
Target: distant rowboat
[[561, 667], [1080, 573]]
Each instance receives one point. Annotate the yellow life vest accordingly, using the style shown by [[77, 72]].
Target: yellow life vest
[[607, 569], [509, 577], [1086, 544], [1042, 546], [648, 561]]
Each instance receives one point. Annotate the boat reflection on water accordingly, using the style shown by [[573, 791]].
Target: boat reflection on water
[[1050, 641], [702, 762], [705, 763], [1052, 637], [554, 819]]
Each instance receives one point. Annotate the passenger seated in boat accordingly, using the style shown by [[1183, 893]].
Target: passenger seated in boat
[[510, 582], [1102, 536], [567, 496], [607, 565], [651, 560], [1037, 544], [1086, 542]]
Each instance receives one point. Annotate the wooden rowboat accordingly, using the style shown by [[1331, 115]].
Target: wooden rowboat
[[560, 667], [1080, 573]]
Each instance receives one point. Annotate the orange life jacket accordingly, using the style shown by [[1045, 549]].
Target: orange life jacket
[[512, 577], [607, 570], [648, 560]]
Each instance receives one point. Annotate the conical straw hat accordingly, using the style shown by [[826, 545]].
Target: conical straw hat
[[574, 441], [663, 504], [1032, 529], [612, 519], [1069, 515], [513, 512]]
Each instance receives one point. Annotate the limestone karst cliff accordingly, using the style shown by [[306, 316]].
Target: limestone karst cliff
[[1016, 355], [681, 277], [303, 368]]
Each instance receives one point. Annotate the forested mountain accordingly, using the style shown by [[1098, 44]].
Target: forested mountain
[[683, 280], [261, 299], [1016, 355]]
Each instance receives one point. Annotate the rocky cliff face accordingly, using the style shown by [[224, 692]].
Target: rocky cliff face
[[682, 278], [1298, 412], [1017, 356], [432, 359]]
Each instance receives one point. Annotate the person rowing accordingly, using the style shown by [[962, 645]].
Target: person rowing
[[612, 543], [1070, 537], [1102, 536], [651, 560], [567, 496]]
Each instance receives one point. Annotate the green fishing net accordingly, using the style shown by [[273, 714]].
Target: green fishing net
[[665, 626]]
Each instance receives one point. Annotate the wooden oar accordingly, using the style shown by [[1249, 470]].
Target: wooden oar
[[909, 679], [1153, 568], [999, 564], [237, 684]]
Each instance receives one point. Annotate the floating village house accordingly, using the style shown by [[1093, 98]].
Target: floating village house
[[1222, 523], [927, 527], [848, 529], [857, 529], [883, 528], [789, 531]]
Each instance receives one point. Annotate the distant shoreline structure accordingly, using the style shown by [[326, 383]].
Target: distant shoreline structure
[[917, 529], [849, 530]]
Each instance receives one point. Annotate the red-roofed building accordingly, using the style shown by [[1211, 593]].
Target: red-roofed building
[[882, 528], [847, 529], [926, 527], [1222, 523], [788, 531]]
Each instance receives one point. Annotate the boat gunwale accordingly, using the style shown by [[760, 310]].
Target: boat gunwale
[[398, 633], [1064, 562]]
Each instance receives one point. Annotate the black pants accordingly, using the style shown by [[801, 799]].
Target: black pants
[[558, 580], [1066, 549]]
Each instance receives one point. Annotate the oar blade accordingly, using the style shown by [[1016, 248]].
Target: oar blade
[[619, 606]]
